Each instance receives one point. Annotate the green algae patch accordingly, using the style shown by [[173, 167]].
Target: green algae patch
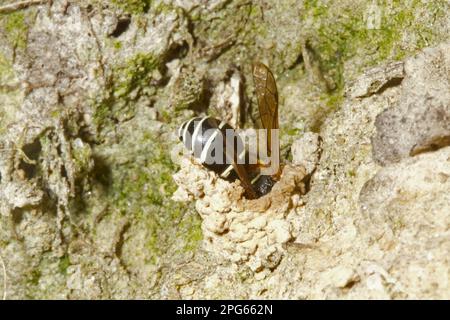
[[141, 191], [15, 28], [140, 7], [190, 231], [128, 83], [11, 95], [64, 264], [133, 6], [135, 75], [145, 194], [137, 169], [6, 70], [352, 36]]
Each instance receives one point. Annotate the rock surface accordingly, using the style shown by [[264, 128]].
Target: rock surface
[[363, 231], [91, 95], [421, 120]]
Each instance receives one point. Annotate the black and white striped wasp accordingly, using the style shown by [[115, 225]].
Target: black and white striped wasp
[[201, 134]]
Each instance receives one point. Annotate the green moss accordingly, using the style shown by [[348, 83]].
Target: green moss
[[6, 69], [255, 27], [164, 7], [190, 230], [34, 277], [55, 114], [64, 264], [344, 43], [129, 82], [141, 185], [133, 6], [134, 75], [117, 45], [152, 183], [339, 33], [143, 188], [167, 115], [102, 110], [142, 6], [16, 28]]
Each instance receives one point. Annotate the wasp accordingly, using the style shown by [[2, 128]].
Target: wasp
[[215, 144]]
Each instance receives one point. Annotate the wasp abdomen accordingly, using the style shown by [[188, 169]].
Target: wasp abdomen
[[204, 137]]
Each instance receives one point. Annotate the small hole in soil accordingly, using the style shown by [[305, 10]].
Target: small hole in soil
[[32, 151]]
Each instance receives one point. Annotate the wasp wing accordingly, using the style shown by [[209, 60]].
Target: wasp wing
[[231, 154], [267, 95], [242, 173]]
